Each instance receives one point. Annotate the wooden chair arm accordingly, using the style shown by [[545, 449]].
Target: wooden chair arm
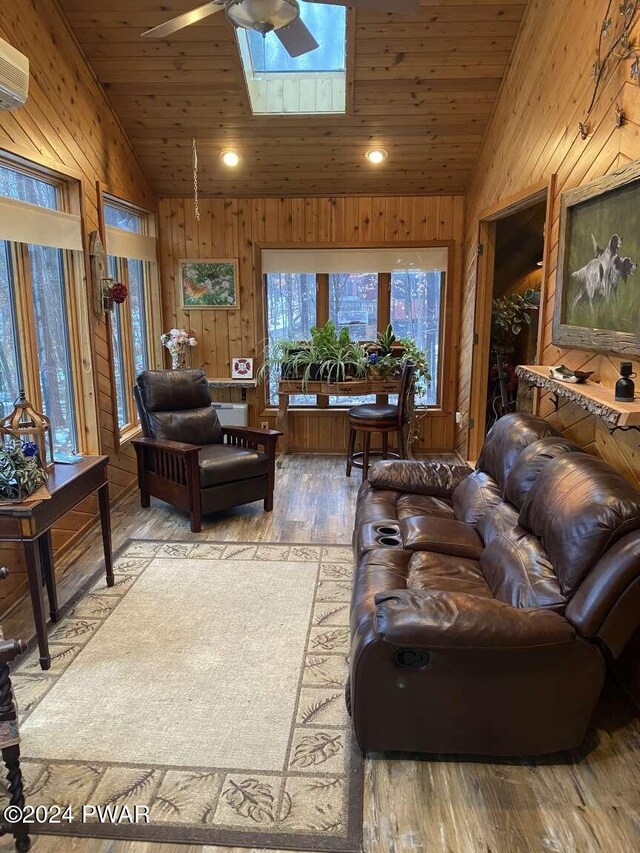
[[248, 437], [178, 447], [173, 462]]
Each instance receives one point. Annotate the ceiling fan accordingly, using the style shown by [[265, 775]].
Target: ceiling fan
[[279, 16]]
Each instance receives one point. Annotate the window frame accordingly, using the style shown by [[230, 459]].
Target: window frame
[[446, 377], [153, 321], [68, 189], [349, 84]]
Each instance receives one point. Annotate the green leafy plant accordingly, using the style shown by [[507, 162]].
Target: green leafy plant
[[510, 313], [327, 356], [415, 355], [386, 341], [333, 357], [337, 357], [21, 473]]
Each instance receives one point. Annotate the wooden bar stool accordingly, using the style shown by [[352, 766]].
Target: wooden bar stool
[[385, 419]]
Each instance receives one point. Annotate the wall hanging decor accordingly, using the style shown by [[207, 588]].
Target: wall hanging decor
[[209, 284], [242, 368], [99, 272], [31, 427], [113, 293], [614, 46], [597, 299]]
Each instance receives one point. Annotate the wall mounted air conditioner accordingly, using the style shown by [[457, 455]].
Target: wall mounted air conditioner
[[14, 77]]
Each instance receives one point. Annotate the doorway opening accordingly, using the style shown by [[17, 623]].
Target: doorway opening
[[515, 305], [509, 322]]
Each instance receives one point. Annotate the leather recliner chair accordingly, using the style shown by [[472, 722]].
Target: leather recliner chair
[[487, 602], [187, 458]]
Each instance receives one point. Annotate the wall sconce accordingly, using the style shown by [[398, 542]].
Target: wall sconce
[[113, 292]]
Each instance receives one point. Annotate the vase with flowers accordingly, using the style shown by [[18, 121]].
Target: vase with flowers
[[178, 342]]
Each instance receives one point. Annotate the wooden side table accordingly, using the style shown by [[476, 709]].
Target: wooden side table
[[30, 523]]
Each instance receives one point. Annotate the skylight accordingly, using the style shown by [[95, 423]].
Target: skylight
[[312, 83]]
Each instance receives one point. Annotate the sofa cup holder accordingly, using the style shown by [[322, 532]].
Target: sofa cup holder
[[388, 530], [389, 541]]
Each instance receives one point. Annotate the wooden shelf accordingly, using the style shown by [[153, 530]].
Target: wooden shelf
[[591, 396], [227, 382], [232, 383]]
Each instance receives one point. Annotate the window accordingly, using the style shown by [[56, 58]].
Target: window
[[353, 304], [407, 291], [52, 335], [25, 187], [130, 244], [10, 368], [312, 83], [36, 277], [416, 305], [291, 313]]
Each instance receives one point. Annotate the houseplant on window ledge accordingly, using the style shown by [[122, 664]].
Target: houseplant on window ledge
[[330, 357], [326, 357]]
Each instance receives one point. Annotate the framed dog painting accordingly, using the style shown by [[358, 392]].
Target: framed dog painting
[[597, 301]]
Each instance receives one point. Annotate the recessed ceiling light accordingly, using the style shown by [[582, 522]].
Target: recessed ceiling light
[[230, 158], [377, 155]]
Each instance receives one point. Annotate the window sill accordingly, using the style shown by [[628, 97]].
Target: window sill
[[128, 433], [272, 411]]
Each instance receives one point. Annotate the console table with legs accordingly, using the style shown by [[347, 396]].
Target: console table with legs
[[353, 388], [30, 525]]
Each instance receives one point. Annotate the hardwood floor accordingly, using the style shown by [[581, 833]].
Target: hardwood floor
[[588, 801]]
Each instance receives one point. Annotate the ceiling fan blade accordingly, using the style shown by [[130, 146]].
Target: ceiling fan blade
[[297, 38], [400, 7], [185, 20]]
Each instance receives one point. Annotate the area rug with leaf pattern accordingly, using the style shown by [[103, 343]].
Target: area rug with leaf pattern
[[207, 687]]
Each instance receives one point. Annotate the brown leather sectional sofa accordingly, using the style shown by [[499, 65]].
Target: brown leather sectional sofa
[[487, 602]]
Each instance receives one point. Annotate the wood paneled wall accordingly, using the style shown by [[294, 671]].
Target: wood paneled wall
[[233, 228], [68, 125], [533, 135]]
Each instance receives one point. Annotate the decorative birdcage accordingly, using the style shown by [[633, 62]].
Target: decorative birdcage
[[30, 427]]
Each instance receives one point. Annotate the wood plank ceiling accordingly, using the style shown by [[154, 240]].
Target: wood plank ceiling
[[423, 88]]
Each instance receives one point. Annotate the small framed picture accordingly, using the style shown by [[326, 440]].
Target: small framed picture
[[207, 284], [242, 368]]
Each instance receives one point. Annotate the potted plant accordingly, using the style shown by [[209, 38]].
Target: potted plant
[[388, 344], [511, 313], [327, 356], [337, 357], [21, 471]]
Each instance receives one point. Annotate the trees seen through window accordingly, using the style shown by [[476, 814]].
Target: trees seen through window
[[42, 273], [410, 299]]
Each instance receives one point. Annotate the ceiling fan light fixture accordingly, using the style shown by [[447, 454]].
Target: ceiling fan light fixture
[[376, 155], [262, 15], [230, 158]]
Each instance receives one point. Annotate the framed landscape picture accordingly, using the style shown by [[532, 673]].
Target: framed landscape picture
[[597, 301], [209, 284]]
